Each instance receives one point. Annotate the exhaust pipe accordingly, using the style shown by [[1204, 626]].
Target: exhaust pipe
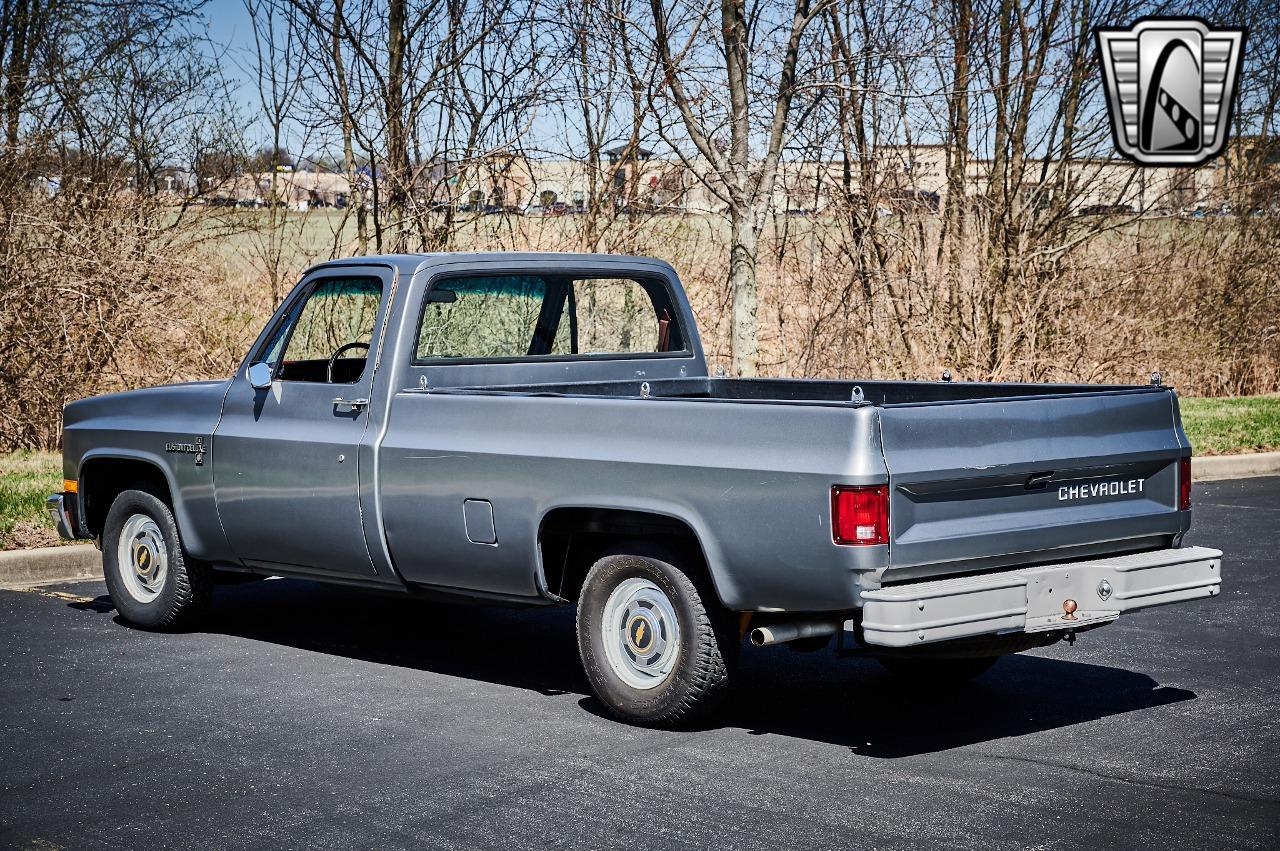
[[781, 633]]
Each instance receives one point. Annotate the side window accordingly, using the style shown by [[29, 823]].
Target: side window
[[327, 337], [482, 317]]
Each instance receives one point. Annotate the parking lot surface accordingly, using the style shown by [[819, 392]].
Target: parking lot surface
[[299, 715]]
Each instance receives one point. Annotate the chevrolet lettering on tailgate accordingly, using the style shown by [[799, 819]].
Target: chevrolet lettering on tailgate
[[1099, 489]]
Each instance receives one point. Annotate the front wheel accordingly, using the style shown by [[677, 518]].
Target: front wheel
[[655, 645], [151, 581]]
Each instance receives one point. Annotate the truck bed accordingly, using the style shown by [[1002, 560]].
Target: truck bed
[[810, 391], [982, 476]]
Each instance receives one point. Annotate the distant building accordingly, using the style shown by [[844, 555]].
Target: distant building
[[902, 179]]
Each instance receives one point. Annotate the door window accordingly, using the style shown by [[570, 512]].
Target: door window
[[327, 336]]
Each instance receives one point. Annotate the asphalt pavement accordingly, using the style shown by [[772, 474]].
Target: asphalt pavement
[[300, 715]]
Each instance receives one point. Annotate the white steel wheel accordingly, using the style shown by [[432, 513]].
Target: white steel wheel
[[152, 581], [641, 634], [142, 558], [656, 646]]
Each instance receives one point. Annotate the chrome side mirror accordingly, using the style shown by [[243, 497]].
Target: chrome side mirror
[[260, 375]]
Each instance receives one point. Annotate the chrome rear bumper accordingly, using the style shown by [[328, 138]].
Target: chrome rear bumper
[[1032, 599]]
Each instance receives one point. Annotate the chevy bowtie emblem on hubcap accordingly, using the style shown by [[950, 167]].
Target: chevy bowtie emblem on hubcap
[[641, 634]]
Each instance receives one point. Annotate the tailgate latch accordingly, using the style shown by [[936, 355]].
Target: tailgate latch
[[1037, 481]]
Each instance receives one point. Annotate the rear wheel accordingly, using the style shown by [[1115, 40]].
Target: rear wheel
[[943, 671], [151, 581], [655, 645]]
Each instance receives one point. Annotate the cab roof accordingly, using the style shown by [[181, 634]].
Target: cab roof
[[411, 263]]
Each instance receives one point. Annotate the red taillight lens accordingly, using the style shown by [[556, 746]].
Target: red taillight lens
[[1184, 484], [860, 515]]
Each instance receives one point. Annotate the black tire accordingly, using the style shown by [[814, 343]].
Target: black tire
[[187, 584], [707, 649], [924, 671]]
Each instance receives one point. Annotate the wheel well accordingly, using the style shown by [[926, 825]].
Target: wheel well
[[571, 540], [103, 479]]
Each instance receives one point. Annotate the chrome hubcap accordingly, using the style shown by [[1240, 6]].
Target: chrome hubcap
[[143, 558], [641, 634]]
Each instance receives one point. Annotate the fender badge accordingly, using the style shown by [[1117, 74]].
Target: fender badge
[[196, 448]]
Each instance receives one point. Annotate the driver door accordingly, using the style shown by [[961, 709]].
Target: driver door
[[286, 456]]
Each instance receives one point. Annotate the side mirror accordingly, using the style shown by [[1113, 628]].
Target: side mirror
[[260, 375], [436, 296]]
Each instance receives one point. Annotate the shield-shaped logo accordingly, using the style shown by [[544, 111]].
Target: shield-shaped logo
[[1171, 85]]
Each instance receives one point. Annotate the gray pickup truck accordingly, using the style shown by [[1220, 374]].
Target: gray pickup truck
[[542, 429]]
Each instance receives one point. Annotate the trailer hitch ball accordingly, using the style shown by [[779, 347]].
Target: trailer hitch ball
[[1069, 607]]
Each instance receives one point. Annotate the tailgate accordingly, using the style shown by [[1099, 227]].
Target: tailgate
[[979, 483]]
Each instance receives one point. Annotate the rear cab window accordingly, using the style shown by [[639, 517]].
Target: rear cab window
[[531, 317]]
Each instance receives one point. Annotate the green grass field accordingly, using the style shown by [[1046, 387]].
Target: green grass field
[[1225, 426], [26, 478], [1215, 426]]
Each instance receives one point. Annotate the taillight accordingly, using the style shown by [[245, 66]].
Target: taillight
[[1184, 484], [860, 514]]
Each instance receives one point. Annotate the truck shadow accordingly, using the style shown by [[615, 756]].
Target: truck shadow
[[850, 703], [856, 704]]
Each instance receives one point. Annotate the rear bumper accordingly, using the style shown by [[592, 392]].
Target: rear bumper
[[1031, 599], [63, 510]]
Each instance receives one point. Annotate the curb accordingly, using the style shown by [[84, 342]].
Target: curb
[[1211, 467], [50, 564]]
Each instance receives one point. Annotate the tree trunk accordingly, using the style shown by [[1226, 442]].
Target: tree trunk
[[742, 287], [591, 167], [355, 192], [956, 209], [398, 172], [19, 67], [743, 248]]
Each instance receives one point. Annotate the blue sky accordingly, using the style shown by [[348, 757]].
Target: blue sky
[[228, 23], [229, 26]]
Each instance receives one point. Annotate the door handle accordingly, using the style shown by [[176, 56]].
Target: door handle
[[353, 404]]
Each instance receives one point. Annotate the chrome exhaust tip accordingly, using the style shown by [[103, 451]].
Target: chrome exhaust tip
[[782, 633]]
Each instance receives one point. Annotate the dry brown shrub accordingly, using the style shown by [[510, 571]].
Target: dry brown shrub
[[106, 292], [1196, 299]]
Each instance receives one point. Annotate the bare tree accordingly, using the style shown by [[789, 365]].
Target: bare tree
[[422, 93], [24, 26], [115, 105], [741, 40], [277, 63]]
